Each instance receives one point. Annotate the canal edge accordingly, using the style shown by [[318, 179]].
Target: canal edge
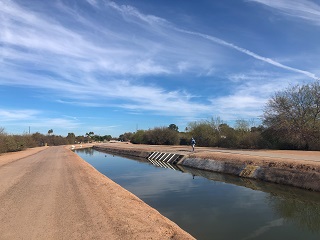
[[299, 176]]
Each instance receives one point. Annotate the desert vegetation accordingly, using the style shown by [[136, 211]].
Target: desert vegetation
[[13, 143]]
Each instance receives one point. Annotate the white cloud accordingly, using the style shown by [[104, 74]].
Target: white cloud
[[92, 62], [92, 2], [250, 53], [251, 93], [39, 39], [59, 123], [152, 20], [263, 229], [7, 115], [303, 9], [128, 10], [237, 106], [22, 120], [35, 117]]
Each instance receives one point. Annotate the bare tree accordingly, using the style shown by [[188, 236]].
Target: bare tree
[[242, 125], [2, 131], [294, 115]]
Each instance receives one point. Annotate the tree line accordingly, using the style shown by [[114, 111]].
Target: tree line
[[290, 120], [13, 143]]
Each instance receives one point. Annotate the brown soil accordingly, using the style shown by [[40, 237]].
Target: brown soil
[[51, 193]]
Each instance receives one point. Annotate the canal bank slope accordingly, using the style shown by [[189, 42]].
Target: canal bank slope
[[51, 193], [295, 168]]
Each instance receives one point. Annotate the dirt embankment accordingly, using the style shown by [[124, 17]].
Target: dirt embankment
[[295, 168], [51, 193]]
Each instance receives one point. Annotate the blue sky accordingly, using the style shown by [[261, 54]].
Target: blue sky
[[116, 66]]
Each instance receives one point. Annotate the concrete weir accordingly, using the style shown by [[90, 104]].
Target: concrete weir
[[165, 157], [165, 160]]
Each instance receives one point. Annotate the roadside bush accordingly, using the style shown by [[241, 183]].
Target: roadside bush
[[184, 138], [126, 137], [39, 139], [250, 140], [227, 136], [10, 144], [2, 144], [161, 136], [138, 137], [7, 142], [156, 136], [204, 134]]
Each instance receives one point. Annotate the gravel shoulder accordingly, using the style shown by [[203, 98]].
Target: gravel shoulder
[[51, 193]]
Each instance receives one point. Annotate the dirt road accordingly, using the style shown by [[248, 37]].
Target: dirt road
[[54, 194], [286, 155]]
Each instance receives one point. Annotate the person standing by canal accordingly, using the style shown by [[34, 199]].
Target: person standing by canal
[[193, 143]]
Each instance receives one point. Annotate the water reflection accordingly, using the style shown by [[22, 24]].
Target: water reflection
[[305, 214], [262, 230], [291, 204], [213, 205], [164, 164], [86, 151]]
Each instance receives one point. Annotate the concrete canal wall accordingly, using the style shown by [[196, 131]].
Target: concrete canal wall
[[286, 171], [280, 174], [123, 151]]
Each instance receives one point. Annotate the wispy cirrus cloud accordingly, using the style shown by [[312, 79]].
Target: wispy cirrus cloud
[[7, 115], [247, 99], [302, 9], [92, 2], [152, 20], [55, 42], [89, 69], [35, 116], [252, 54], [37, 120], [104, 58]]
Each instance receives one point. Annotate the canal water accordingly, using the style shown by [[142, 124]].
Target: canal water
[[212, 205]]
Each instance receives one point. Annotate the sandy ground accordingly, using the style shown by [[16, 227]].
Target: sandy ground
[[51, 193]]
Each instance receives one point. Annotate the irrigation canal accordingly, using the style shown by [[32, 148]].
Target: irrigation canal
[[212, 205]]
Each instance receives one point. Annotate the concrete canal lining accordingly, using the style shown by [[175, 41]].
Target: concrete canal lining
[[283, 175], [294, 168]]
